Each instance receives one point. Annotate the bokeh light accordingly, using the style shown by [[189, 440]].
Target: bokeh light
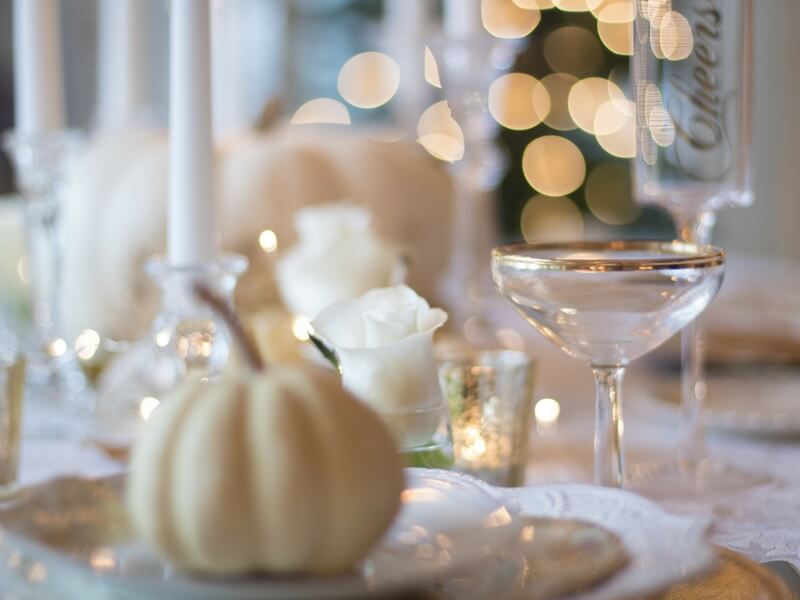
[[432, 69], [547, 219], [546, 411], [147, 406], [369, 79], [617, 37], [508, 20], [87, 343], [577, 5], [662, 128], [440, 134], [319, 111], [518, 101], [615, 11], [558, 86], [553, 165], [540, 4], [676, 36], [573, 49], [301, 328], [587, 96], [621, 142], [608, 194], [268, 240]]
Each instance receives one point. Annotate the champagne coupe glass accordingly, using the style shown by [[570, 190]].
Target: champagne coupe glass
[[692, 78], [608, 303]]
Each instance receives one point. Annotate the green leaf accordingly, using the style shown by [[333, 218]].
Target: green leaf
[[435, 458]]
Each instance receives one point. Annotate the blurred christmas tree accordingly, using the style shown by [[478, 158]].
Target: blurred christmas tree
[[569, 174]]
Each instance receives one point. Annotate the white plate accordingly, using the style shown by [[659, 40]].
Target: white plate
[[69, 538]]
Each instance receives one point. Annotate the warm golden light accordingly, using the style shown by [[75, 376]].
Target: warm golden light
[[572, 49], [440, 134], [587, 96], [432, 69], [321, 111], [558, 86], [661, 125], [518, 101], [654, 10], [540, 4], [621, 142], [103, 559], [676, 36], [473, 445], [610, 117], [576, 5], [546, 411], [548, 219], [87, 343], [507, 20], [369, 79], [57, 347], [268, 240], [553, 165], [615, 11], [608, 194], [617, 37], [301, 328]]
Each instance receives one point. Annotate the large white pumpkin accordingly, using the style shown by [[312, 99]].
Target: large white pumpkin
[[282, 471], [114, 223]]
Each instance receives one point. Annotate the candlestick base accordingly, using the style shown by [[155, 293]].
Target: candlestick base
[[59, 394], [185, 338]]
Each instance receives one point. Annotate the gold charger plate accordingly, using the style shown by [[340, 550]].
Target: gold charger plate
[[550, 559], [736, 578]]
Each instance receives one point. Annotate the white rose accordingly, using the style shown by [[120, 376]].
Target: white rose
[[384, 343], [337, 257]]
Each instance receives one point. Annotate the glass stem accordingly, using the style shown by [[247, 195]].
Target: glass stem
[[608, 462], [691, 435], [42, 216]]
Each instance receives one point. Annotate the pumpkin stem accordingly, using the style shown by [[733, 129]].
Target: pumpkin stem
[[227, 313], [269, 115]]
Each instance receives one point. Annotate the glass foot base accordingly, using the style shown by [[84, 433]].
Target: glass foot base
[[58, 399], [686, 480]]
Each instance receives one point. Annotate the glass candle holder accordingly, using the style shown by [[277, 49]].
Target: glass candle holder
[[12, 386], [490, 395]]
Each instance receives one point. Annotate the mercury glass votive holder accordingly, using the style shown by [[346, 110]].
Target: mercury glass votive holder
[[12, 386], [490, 396]]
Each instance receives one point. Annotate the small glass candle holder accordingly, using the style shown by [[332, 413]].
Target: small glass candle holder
[[490, 395], [12, 387]]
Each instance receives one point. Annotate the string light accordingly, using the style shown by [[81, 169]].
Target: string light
[[321, 111], [369, 79]]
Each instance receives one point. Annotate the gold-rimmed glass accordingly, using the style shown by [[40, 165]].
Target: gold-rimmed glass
[[608, 303]]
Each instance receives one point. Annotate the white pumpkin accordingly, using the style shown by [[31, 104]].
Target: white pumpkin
[[281, 471], [115, 213]]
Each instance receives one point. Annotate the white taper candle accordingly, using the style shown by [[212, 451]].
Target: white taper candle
[[38, 78], [190, 239], [122, 93], [462, 18]]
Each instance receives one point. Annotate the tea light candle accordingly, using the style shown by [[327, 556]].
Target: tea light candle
[[38, 85], [462, 18], [191, 186]]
